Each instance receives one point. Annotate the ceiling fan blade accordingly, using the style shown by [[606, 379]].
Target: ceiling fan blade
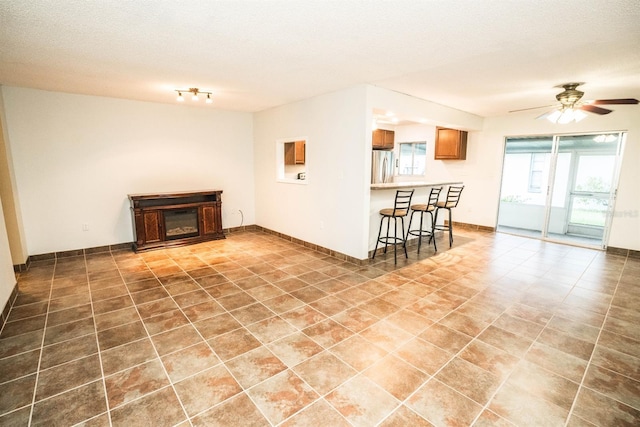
[[545, 115], [531, 108], [614, 101], [593, 109]]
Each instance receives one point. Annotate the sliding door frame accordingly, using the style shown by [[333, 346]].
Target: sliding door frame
[[553, 163]]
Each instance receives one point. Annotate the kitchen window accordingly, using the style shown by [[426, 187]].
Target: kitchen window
[[412, 158]]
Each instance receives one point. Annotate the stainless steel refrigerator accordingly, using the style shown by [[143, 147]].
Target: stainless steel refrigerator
[[381, 166]]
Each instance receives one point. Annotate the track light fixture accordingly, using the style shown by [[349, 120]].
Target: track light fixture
[[194, 94]]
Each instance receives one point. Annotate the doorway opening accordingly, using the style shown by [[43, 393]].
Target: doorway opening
[[560, 187]]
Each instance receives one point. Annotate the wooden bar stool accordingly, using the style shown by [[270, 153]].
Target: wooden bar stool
[[399, 211], [453, 197], [422, 209]]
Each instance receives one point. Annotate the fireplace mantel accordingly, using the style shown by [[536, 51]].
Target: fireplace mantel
[[163, 220]]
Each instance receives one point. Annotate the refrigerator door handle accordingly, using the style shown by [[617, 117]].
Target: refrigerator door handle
[[384, 169]]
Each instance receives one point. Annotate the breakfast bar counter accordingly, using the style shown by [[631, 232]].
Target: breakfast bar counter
[[411, 184], [381, 199]]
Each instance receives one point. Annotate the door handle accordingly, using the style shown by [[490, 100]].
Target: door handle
[[384, 170], [582, 194]]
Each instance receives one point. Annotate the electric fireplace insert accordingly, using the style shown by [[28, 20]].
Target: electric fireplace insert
[[180, 223]]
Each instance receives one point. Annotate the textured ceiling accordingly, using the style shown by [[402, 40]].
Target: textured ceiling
[[485, 57]]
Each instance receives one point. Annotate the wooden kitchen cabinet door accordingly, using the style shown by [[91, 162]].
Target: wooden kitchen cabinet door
[[383, 139], [294, 153], [451, 144]]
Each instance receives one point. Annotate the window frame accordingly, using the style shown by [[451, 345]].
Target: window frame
[[287, 173], [536, 169], [413, 145]]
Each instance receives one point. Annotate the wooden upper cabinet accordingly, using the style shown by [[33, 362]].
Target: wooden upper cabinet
[[301, 148], [451, 144], [383, 139], [294, 153]]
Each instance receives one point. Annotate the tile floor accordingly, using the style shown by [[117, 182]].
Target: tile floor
[[257, 331]]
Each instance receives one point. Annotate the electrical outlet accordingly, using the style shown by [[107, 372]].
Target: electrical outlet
[[85, 227], [321, 225]]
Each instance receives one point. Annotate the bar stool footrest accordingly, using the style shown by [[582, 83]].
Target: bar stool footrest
[[419, 233], [391, 240]]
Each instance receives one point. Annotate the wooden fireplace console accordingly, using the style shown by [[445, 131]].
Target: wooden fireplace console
[[192, 217]]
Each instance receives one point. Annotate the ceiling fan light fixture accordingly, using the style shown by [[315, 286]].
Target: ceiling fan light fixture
[[180, 98], [554, 116], [578, 115], [572, 109], [565, 115]]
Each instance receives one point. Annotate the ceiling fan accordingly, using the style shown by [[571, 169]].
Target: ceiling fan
[[571, 108]]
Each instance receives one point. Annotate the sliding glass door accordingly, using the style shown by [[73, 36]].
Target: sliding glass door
[[525, 179], [560, 188]]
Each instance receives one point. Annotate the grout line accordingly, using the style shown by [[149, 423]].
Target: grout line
[[595, 346], [44, 335], [95, 329], [159, 359]]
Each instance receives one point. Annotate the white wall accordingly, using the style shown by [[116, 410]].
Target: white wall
[[77, 157], [531, 217], [483, 167], [10, 197], [420, 110], [329, 210], [7, 276]]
